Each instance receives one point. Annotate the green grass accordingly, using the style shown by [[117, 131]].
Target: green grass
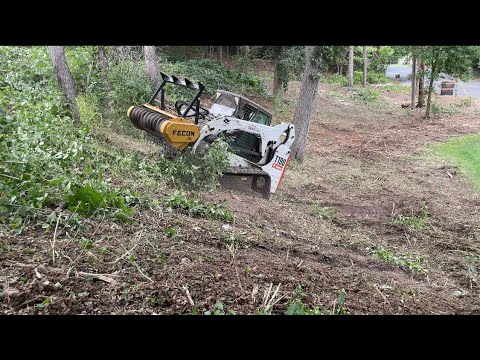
[[463, 151]]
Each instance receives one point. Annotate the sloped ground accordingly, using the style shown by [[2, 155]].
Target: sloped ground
[[365, 165]]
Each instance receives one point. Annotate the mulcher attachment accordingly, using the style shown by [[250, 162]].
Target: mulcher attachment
[[147, 119]]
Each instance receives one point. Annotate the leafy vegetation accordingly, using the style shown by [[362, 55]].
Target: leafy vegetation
[[464, 151], [297, 307], [372, 78], [198, 208], [405, 260], [219, 309], [39, 168], [196, 171], [324, 212], [418, 221], [366, 94]]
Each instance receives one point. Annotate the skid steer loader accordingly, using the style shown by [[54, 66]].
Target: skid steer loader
[[260, 152]]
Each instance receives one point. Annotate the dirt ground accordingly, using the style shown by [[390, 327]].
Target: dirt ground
[[366, 163]]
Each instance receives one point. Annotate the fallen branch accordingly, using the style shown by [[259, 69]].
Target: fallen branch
[[10, 177], [381, 294], [232, 249], [127, 252], [141, 272], [20, 265], [53, 242], [185, 288], [269, 301], [254, 292], [108, 278]]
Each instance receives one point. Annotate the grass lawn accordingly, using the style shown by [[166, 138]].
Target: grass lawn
[[464, 151]]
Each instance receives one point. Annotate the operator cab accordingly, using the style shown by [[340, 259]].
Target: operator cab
[[245, 144], [230, 104]]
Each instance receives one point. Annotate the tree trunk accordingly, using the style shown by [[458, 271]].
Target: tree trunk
[[364, 66], [304, 107], [277, 81], [127, 50], [414, 81], [430, 87], [350, 66], [64, 78], [220, 54], [151, 62], [102, 62], [341, 69], [421, 91], [205, 52]]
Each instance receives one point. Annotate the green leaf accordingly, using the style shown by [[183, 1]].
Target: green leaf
[[295, 308], [52, 217], [22, 210], [170, 232]]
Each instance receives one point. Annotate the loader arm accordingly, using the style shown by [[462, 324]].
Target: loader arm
[[274, 149]]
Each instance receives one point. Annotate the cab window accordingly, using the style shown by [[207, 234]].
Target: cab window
[[261, 118]]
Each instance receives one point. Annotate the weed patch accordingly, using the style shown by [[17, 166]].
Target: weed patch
[[198, 208], [405, 260]]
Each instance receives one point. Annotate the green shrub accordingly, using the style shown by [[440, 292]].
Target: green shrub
[[372, 78], [444, 110], [45, 159], [198, 208], [90, 109], [196, 170], [82, 62], [96, 198], [365, 94], [243, 62], [334, 79], [130, 86], [216, 76]]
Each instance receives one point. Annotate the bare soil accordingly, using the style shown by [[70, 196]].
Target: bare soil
[[367, 162]]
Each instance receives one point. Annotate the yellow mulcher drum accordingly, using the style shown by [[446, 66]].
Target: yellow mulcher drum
[[177, 132]]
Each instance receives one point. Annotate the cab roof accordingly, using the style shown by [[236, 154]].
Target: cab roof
[[246, 100]]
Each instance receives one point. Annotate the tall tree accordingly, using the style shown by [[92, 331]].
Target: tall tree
[[220, 54], [421, 77], [102, 63], [288, 59], [151, 62], [204, 52], [414, 81], [277, 79], [455, 61], [433, 72], [306, 100], [364, 66], [350, 66], [63, 77]]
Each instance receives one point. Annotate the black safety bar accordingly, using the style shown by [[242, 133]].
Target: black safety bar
[[185, 83]]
